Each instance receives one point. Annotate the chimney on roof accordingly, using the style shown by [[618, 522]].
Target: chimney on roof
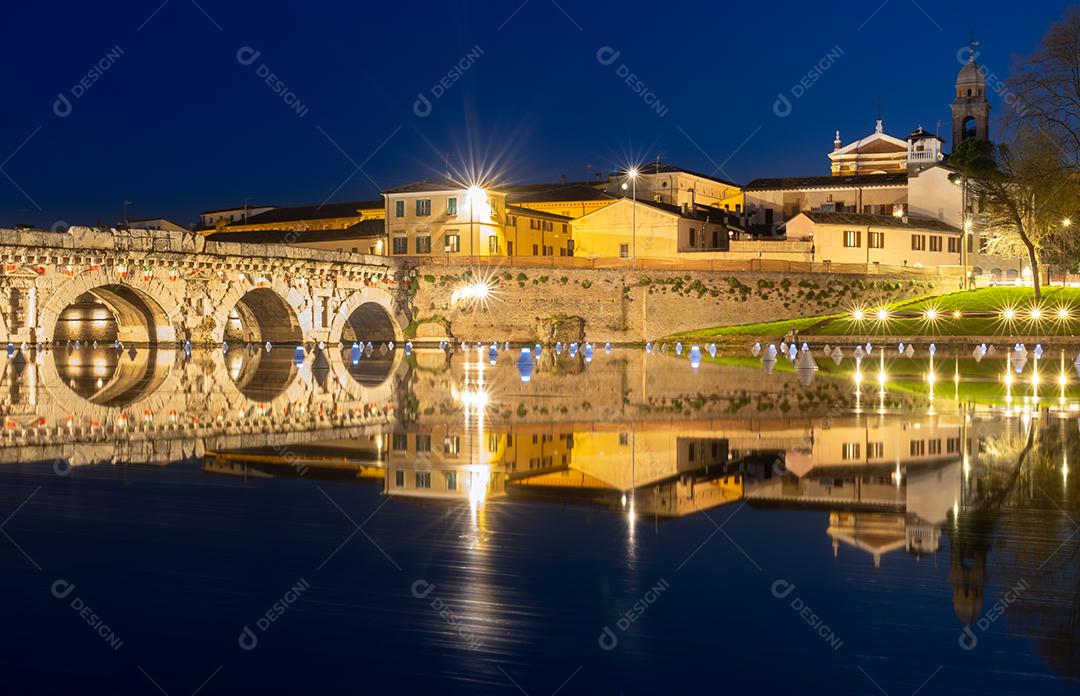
[[837, 144]]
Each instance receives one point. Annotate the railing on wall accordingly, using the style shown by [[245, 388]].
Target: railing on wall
[[641, 264]]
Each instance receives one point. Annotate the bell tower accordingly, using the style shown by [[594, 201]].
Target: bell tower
[[970, 108]]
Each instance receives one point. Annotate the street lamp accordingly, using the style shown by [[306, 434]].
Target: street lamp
[[632, 175], [474, 196]]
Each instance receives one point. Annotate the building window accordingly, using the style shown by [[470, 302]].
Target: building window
[[509, 248], [453, 243], [624, 251], [918, 242], [451, 206], [493, 244], [401, 442], [423, 443], [875, 240], [399, 479], [624, 439], [423, 479], [693, 237], [935, 446], [954, 245], [875, 450], [399, 208], [851, 450], [564, 228], [401, 245], [451, 480], [423, 244], [423, 207], [918, 448], [853, 238], [452, 445], [935, 243], [536, 250]]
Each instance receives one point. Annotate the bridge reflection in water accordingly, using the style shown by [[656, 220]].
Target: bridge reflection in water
[[641, 437]]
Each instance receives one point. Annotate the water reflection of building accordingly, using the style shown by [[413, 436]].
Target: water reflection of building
[[889, 483], [668, 468]]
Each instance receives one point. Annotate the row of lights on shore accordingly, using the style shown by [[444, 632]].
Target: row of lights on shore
[[1007, 313]]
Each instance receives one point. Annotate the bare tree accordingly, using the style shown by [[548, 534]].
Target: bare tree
[[1026, 195], [1046, 86]]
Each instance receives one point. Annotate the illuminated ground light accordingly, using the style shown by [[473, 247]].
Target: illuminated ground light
[[858, 315], [1008, 314], [956, 314], [1063, 313], [476, 291], [1035, 313], [931, 315], [882, 314]]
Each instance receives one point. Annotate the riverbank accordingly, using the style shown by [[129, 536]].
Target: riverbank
[[988, 315]]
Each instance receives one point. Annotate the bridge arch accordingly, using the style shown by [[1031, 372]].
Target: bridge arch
[[276, 313], [366, 315], [144, 311]]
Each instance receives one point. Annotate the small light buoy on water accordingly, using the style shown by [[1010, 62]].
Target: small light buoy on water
[[648, 347], [900, 349], [933, 349], [910, 352], [224, 347], [859, 353], [806, 361], [783, 347], [268, 346], [1038, 350], [607, 348], [712, 350], [770, 353], [695, 357], [408, 347], [755, 350], [869, 348], [793, 352], [678, 348]]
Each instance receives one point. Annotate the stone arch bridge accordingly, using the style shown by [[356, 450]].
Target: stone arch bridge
[[156, 287]]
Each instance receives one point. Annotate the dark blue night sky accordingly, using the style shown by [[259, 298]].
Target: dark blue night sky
[[177, 124]]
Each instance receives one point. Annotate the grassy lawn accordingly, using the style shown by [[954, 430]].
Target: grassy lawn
[[767, 328], [984, 300]]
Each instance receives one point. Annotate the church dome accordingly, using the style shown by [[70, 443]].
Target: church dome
[[970, 75]]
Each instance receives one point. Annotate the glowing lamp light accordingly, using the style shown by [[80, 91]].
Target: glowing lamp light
[[1008, 314], [1036, 313], [1066, 222], [956, 314], [476, 291], [932, 314], [882, 314], [632, 172], [1063, 313], [857, 315]]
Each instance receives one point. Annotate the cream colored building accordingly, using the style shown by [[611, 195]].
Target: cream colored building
[[883, 239], [667, 183]]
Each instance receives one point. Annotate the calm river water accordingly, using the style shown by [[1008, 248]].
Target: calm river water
[[476, 522]]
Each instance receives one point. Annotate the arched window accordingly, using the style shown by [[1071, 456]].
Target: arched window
[[968, 129]]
